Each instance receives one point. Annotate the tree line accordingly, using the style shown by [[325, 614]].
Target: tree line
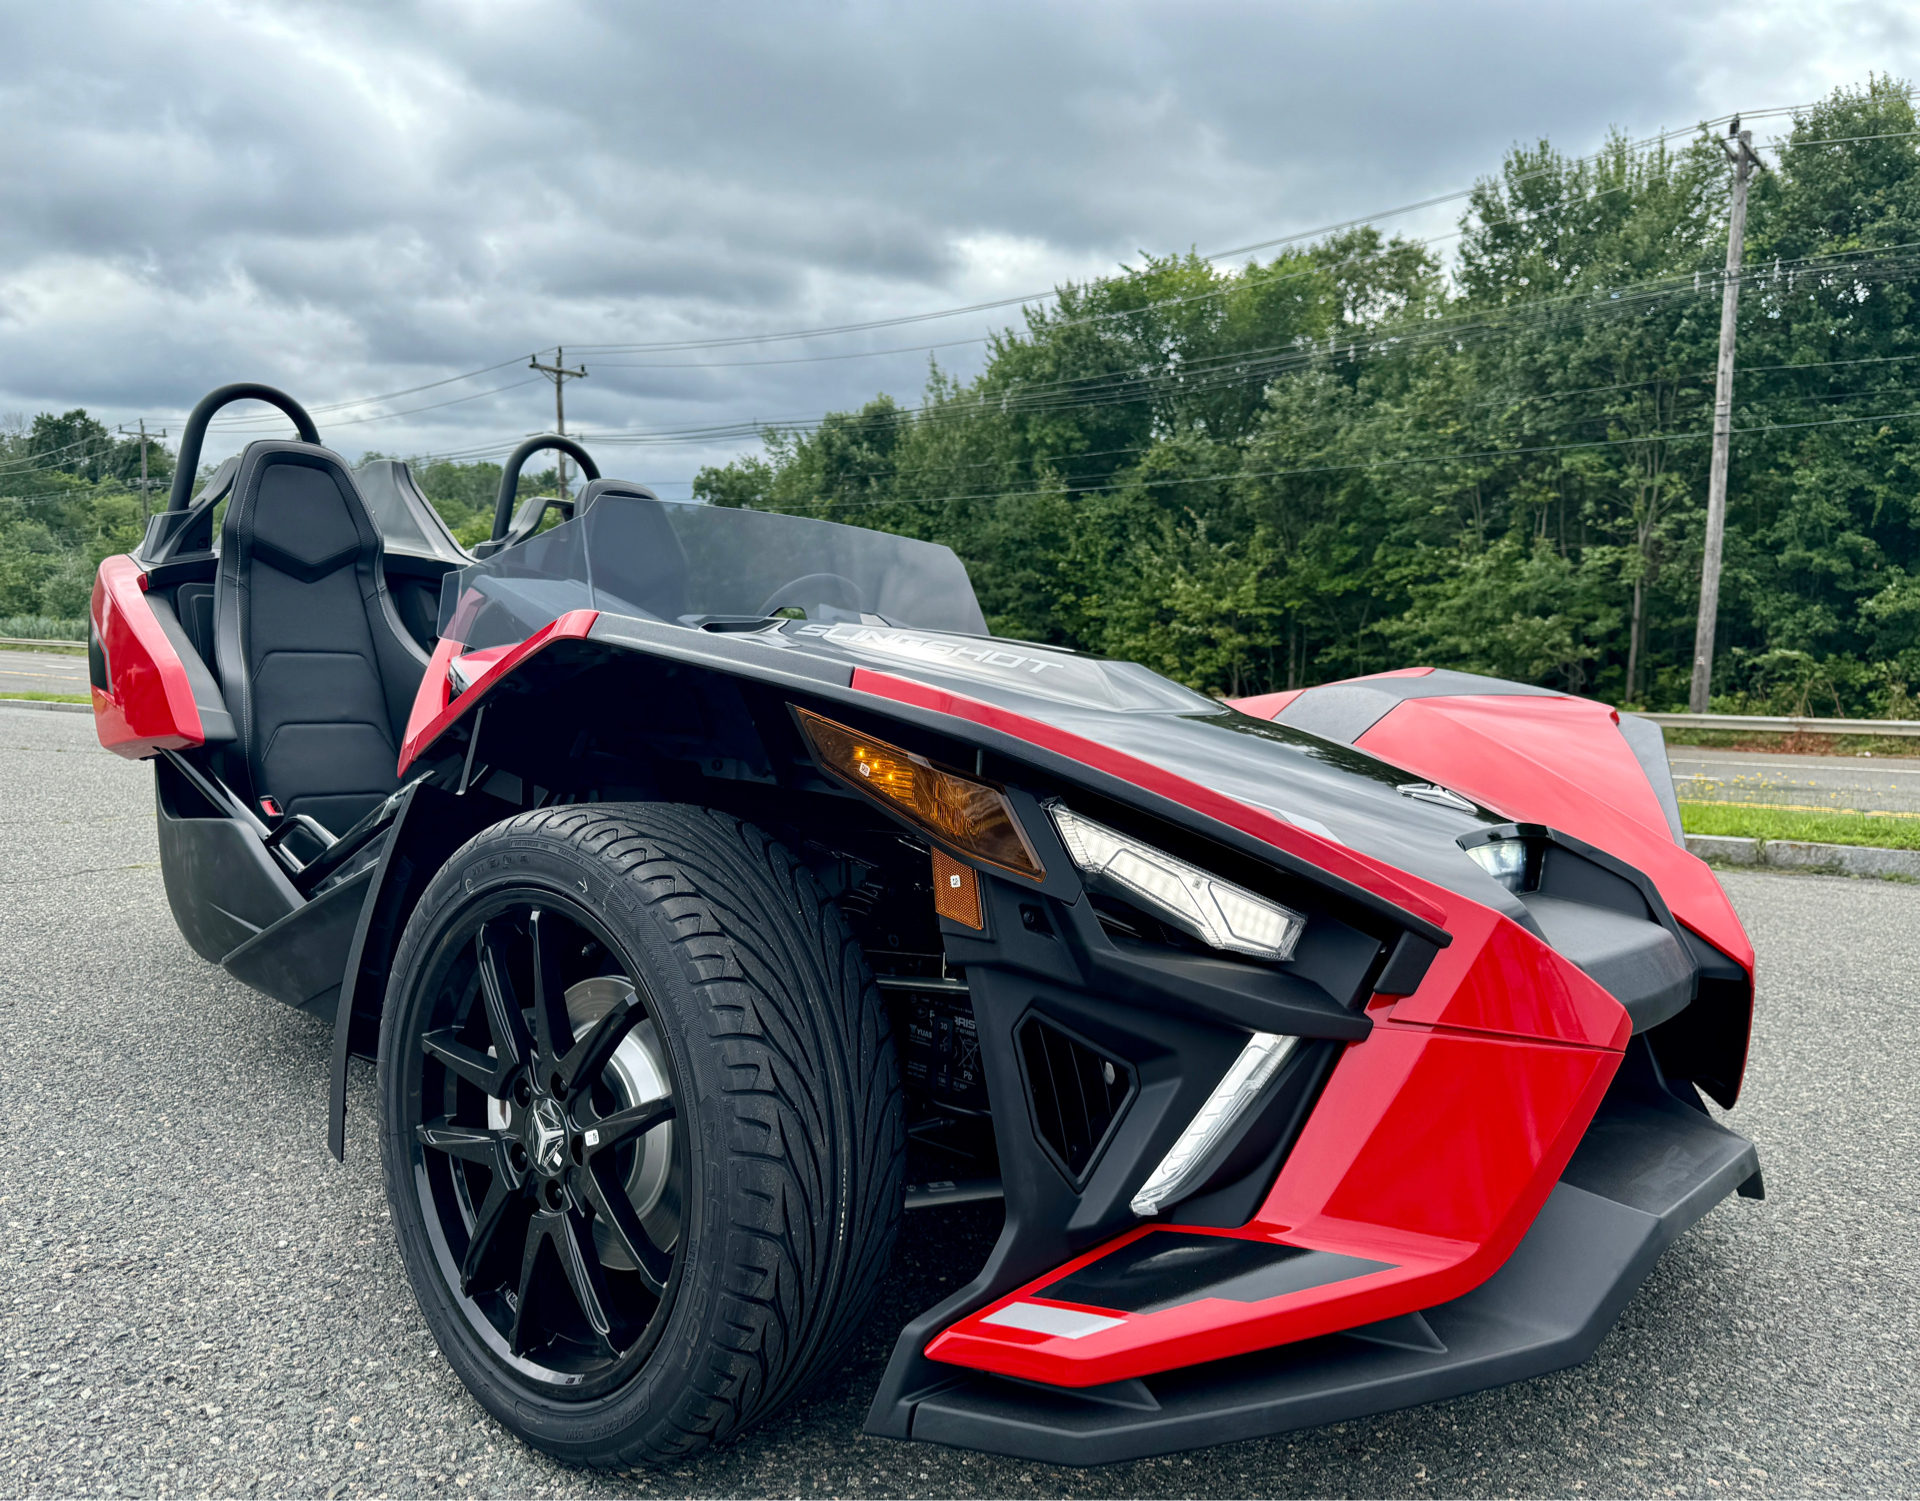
[[1352, 457]]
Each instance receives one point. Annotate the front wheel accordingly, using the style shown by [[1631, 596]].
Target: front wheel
[[641, 1127]]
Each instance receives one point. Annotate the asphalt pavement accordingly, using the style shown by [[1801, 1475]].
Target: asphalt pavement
[[1859, 784], [23, 672], [195, 1298]]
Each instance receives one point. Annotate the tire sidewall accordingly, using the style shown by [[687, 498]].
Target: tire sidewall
[[512, 856]]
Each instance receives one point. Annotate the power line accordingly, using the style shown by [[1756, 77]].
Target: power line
[[1154, 482], [1613, 149], [360, 401], [387, 416]]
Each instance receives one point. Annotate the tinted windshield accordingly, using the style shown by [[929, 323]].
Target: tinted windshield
[[694, 565]]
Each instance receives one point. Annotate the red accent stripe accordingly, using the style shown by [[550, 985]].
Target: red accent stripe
[[435, 710]]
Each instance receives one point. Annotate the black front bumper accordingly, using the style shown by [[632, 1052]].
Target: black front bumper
[[1649, 1166]]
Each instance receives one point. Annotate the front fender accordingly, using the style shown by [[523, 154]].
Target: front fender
[[430, 825]]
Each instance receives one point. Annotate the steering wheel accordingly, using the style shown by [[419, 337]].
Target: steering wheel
[[819, 589]]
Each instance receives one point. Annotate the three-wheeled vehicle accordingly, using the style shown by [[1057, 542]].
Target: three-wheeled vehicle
[[710, 888]]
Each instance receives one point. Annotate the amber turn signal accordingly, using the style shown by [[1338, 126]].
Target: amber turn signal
[[971, 816]]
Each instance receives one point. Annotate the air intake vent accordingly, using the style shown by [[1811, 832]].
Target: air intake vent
[[1077, 1092]]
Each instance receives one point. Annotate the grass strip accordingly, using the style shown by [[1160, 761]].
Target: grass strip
[[1899, 831], [49, 698]]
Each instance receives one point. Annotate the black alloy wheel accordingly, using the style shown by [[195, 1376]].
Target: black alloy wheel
[[641, 1126], [546, 1162]]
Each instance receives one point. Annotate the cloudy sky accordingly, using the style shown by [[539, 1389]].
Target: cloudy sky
[[356, 201]]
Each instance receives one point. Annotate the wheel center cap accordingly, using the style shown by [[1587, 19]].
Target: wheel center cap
[[547, 1135]]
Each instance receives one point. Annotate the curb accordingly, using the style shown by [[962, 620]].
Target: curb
[[1793, 854], [41, 703]]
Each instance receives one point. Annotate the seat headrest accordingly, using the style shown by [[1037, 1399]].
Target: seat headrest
[[297, 507]]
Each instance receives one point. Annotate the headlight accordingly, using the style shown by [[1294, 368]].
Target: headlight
[[1216, 912], [1505, 860]]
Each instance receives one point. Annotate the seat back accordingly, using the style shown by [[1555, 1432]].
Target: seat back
[[317, 668]]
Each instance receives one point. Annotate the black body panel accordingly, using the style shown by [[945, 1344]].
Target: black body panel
[[1344, 712], [428, 826], [301, 958], [222, 883], [1171, 1268]]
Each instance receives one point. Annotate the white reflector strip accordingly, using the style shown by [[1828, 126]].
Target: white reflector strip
[[1039, 1318]]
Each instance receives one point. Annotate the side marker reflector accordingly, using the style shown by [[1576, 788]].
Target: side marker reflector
[[956, 891]]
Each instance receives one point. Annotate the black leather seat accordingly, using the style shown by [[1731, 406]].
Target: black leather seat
[[318, 671]]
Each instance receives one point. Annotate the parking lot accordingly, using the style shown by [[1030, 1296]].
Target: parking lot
[[198, 1299]]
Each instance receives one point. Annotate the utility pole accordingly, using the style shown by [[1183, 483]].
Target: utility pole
[[559, 374], [1743, 159], [143, 436]]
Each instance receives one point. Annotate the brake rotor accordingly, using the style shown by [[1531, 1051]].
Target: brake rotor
[[636, 1075]]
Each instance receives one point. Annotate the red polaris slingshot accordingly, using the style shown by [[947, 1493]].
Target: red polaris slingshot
[[711, 889]]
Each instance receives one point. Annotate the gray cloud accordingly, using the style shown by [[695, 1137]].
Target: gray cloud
[[351, 199]]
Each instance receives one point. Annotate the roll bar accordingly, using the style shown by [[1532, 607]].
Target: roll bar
[[510, 476], [187, 465]]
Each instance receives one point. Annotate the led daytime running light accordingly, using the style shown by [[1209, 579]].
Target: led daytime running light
[[971, 816], [1216, 912], [1238, 1088]]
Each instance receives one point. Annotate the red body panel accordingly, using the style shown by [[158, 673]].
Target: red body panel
[[149, 707], [1503, 1035], [1266, 705], [435, 708], [1560, 762], [1432, 1149]]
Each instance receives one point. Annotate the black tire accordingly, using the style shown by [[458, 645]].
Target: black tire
[[785, 1128]]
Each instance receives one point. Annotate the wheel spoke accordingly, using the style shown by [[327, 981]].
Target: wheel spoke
[[519, 1338], [469, 1143], [593, 1052], [613, 1205], [505, 1019], [573, 1238], [487, 1222], [486, 1074], [552, 1034], [623, 1125]]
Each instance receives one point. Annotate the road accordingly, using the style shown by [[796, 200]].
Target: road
[[1862, 784], [196, 1298], [23, 672]]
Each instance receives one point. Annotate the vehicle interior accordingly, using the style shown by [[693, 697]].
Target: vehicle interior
[[291, 582]]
